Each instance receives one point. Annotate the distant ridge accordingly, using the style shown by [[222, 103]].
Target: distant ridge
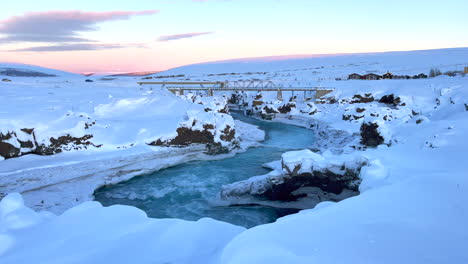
[[26, 70]]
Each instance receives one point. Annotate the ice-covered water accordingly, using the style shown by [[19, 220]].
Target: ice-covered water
[[189, 191]]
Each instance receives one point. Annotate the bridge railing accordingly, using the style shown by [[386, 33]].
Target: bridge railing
[[222, 86]]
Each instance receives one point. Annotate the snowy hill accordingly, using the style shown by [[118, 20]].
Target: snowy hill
[[24, 70], [318, 67], [69, 121]]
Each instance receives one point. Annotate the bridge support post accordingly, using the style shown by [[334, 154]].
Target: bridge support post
[[181, 92], [279, 95], [210, 92]]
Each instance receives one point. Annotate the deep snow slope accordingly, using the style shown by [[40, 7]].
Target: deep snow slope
[[87, 132], [313, 69], [413, 206]]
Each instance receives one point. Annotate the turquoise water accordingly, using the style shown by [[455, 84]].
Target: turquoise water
[[189, 191]]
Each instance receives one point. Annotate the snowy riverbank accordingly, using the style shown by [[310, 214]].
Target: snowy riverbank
[[90, 134], [413, 202]]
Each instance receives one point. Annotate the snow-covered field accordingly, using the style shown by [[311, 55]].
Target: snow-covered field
[[413, 205], [90, 134]]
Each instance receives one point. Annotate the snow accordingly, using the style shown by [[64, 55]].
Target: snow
[[90, 233], [122, 117], [413, 206], [309, 161]]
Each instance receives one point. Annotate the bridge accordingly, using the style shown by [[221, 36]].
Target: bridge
[[237, 86]]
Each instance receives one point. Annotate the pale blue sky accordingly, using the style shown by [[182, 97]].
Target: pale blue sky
[[246, 28]]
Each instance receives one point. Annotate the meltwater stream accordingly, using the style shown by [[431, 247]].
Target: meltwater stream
[[189, 191]]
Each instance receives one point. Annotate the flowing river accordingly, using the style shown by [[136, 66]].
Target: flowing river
[[189, 191]]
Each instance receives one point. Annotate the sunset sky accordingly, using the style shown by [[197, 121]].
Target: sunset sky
[[144, 35]]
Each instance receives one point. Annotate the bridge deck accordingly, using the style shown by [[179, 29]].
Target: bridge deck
[[249, 89], [223, 86]]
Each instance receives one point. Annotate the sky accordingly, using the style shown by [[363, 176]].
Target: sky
[[151, 35]]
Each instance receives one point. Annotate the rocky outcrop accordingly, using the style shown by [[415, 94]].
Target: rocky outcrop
[[14, 144], [390, 100], [362, 99], [370, 135], [303, 173], [218, 139], [286, 108]]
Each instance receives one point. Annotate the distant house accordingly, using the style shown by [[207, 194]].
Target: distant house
[[372, 76], [466, 70], [387, 75], [354, 76]]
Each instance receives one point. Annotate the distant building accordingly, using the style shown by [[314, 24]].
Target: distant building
[[372, 76], [387, 75], [466, 70], [354, 76]]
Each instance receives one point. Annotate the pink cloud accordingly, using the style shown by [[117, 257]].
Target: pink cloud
[[58, 26], [182, 36]]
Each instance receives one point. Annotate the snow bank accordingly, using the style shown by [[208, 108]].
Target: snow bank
[[306, 161], [117, 234]]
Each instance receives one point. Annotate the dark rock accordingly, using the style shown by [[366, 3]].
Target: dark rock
[[228, 134], [216, 149], [326, 181], [390, 100], [6, 149], [236, 98], [357, 98], [208, 126], [186, 136], [360, 110], [6, 80], [269, 110], [57, 145], [62, 143], [225, 110], [257, 103], [370, 135], [326, 100], [89, 80], [284, 109]]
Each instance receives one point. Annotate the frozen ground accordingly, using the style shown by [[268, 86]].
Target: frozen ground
[[119, 120], [413, 206]]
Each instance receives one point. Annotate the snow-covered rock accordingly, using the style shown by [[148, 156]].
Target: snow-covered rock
[[304, 175]]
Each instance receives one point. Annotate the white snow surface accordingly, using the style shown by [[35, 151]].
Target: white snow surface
[[309, 161], [413, 206], [123, 119], [90, 233]]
